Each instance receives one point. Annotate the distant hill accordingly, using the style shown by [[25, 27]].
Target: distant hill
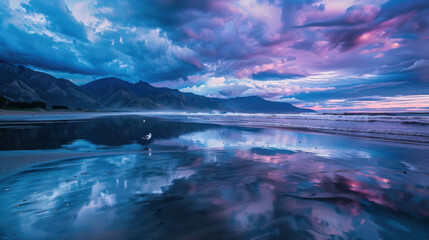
[[259, 105], [25, 85], [115, 93]]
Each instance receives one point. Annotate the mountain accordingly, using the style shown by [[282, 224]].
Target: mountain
[[115, 93], [259, 105], [21, 84]]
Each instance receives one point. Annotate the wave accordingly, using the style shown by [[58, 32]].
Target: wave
[[407, 137], [420, 119], [389, 119]]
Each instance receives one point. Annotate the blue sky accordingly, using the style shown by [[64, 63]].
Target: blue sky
[[329, 55]]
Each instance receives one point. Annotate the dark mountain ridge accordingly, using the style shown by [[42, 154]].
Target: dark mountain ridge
[[19, 83]]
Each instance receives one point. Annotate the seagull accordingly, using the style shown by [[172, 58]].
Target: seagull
[[147, 137]]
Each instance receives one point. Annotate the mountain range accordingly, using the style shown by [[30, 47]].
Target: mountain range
[[18, 83]]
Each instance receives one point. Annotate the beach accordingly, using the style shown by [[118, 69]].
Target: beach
[[227, 176]]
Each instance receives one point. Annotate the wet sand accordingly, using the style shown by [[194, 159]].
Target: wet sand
[[14, 161], [6, 115], [203, 180]]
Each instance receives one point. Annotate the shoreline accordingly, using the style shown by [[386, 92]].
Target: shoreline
[[30, 116], [12, 161], [24, 117]]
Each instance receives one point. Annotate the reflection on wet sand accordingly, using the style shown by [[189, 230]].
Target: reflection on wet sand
[[223, 183]]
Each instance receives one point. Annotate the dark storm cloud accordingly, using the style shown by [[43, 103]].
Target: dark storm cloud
[[272, 75], [37, 50], [59, 15], [355, 15], [394, 17]]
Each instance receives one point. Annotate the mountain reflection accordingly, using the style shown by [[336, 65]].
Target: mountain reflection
[[109, 131]]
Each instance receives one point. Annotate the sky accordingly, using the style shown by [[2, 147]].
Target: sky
[[328, 55]]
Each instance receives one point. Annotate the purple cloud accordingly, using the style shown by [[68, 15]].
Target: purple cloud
[[299, 46]]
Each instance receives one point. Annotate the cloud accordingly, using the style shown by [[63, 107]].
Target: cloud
[[223, 88], [372, 88], [273, 75], [174, 39], [46, 35], [273, 49], [375, 22], [375, 103], [421, 67], [354, 15], [59, 16], [418, 65]]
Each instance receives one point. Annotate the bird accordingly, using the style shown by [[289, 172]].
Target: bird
[[147, 137]]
